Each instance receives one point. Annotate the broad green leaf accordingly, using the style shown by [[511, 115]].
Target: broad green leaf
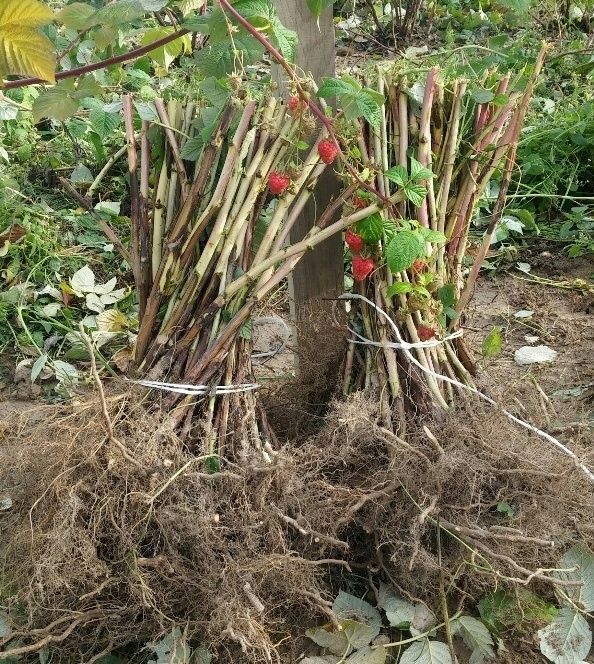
[[219, 59], [316, 7], [447, 295], [104, 124], [153, 5], [403, 250], [117, 13], [192, 148], [503, 610], [582, 559], [165, 55], [146, 110], [76, 15], [23, 49], [368, 108], [399, 612], [324, 659], [567, 640], [8, 111], [435, 237], [518, 6], [371, 229], [418, 171], [427, 652], [81, 174], [285, 40], [482, 96], [415, 193], [216, 92], [493, 343], [353, 635], [476, 637], [335, 87], [369, 655], [260, 13], [398, 175], [37, 368], [186, 6], [349, 607], [56, 103], [398, 288]]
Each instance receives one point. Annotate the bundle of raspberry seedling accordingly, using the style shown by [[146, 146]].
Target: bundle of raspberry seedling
[[440, 142], [209, 243]]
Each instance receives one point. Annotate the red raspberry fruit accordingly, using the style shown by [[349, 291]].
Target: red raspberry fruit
[[277, 182], [354, 241], [362, 268], [425, 333], [296, 104], [359, 203], [327, 151], [418, 266]]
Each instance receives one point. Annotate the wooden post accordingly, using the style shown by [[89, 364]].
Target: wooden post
[[320, 273]]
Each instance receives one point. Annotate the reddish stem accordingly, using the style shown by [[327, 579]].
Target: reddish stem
[[315, 109], [116, 60]]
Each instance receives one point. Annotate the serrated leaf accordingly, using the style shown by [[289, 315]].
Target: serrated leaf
[[24, 50], [56, 103], [399, 288], [427, 652], [117, 13], [403, 250], [503, 610], [349, 607], [582, 559], [567, 640], [418, 171], [327, 637], [65, 372], [371, 229], [493, 343], [214, 91], [76, 15], [335, 87], [186, 6], [81, 174], [399, 612], [192, 149], [146, 110], [166, 54], [415, 193], [112, 320], [368, 108], [285, 40], [435, 237], [104, 124], [220, 59], [324, 659], [369, 655], [476, 637], [482, 96], [83, 281], [398, 175], [447, 295], [8, 112], [423, 618]]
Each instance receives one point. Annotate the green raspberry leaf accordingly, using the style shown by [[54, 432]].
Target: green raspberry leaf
[[371, 229], [404, 249]]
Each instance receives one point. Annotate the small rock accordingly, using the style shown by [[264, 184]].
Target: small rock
[[524, 313], [531, 339], [535, 355], [5, 503]]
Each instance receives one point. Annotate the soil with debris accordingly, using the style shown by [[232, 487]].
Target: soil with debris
[[251, 555]]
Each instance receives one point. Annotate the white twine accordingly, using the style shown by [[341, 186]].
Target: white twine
[[216, 390], [196, 390], [406, 347]]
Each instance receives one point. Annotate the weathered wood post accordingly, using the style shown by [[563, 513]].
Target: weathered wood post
[[320, 273]]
